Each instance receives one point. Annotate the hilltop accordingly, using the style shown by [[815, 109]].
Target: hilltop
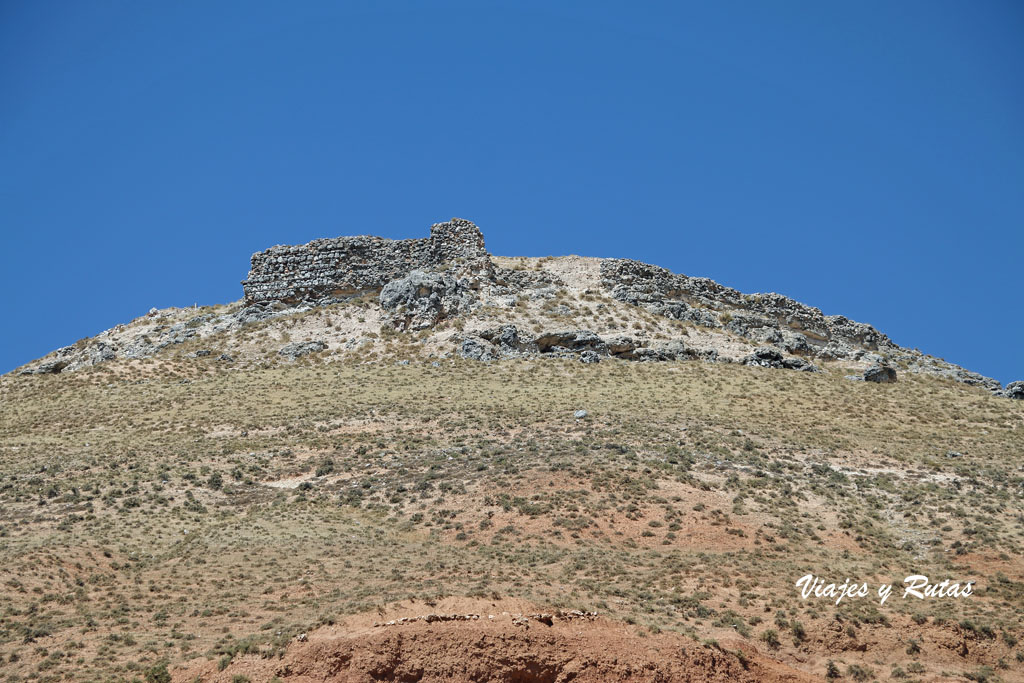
[[446, 295]]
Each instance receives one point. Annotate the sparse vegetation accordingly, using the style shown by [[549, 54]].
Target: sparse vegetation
[[171, 508]]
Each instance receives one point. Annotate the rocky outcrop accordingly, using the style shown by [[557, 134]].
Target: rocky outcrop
[[1014, 390], [51, 367], [508, 342], [771, 357], [475, 349], [570, 341], [419, 283], [771, 317], [336, 268], [880, 374], [927, 365], [299, 349], [420, 300]]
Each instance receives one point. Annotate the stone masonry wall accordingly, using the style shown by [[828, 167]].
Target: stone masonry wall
[[346, 266]]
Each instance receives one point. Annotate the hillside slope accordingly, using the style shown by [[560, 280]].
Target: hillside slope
[[172, 507], [254, 491]]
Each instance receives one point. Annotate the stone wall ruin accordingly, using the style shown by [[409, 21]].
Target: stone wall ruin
[[348, 266]]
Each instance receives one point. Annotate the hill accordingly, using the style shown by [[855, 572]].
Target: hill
[[256, 490]]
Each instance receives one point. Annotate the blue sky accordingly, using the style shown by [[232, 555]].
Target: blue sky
[[863, 157]]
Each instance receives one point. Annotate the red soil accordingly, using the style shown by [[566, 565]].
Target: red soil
[[497, 646]]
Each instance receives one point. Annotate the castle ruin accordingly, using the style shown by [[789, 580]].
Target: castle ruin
[[348, 266]]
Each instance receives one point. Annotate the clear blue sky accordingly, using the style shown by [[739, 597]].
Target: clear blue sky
[[863, 157]]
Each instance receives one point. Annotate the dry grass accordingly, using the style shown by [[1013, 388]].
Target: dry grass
[[137, 523]]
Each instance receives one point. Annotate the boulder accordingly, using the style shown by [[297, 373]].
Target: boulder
[[648, 354], [836, 350], [794, 342], [51, 367], [421, 300], [298, 349], [1014, 390], [257, 312], [620, 345], [571, 340], [772, 357], [801, 364], [506, 338], [590, 357], [764, 356], [880, 374], [667, 351], [675, 349], [764, 335], [709, 355], [476, 349], [100, 352]]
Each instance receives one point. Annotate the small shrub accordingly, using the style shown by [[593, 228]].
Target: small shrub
[[158, 673], [859, 673]]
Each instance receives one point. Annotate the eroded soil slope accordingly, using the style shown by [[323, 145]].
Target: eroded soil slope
[[494, 641]]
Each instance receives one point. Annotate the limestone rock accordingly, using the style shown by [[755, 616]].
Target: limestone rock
[[836, 350], [764, 356], [801, 364], [929, 365], [665, 351], [298, 349], [508, 340], [421, 300], [881, 374], [794, 342], [475, 349], [1014, 390], [756, 316], [570, 340], [772, 357], [620, 345], [260, 311], [51, 367]]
